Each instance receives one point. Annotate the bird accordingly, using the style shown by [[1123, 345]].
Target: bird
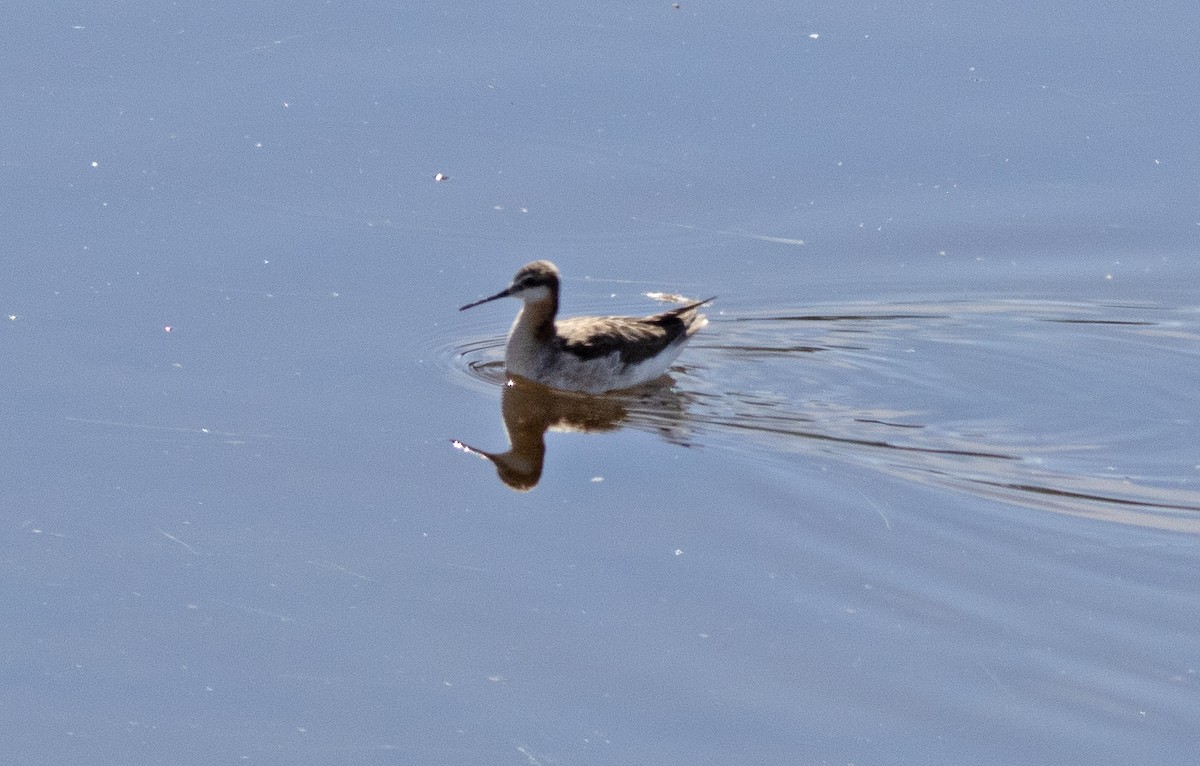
[[588, 354]]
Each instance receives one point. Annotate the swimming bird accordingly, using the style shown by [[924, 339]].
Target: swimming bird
[[588, 354]]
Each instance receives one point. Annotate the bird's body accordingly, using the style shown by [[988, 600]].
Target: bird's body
[[588, 354]]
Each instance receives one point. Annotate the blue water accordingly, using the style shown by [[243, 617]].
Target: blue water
[[924, 490]]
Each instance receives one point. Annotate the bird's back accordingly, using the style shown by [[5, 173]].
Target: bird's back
[[635, 339]]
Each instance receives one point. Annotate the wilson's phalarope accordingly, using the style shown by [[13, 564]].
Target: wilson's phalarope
[[588, 354]]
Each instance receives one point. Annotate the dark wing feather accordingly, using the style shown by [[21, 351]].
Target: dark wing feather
[[635, 338]]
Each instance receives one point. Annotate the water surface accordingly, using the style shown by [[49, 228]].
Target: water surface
[[925, 490]]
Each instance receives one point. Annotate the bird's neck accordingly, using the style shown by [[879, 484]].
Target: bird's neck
[[535, 321], [531, 335]]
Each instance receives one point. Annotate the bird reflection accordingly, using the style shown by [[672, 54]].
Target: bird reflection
[[530, 409]]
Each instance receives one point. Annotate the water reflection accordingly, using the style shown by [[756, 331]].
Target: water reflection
[[529, 410]]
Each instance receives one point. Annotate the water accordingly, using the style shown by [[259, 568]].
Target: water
[[925, 489]]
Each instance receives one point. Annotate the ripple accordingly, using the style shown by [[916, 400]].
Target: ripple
[[1084, 409]]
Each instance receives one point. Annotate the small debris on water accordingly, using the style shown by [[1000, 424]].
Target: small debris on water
[[441, 177], [667, 297]]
